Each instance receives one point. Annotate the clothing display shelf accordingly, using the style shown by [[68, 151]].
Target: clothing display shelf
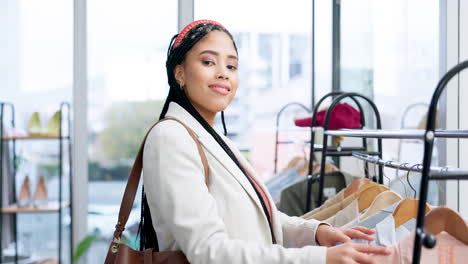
[[64, 141], [339, 151]]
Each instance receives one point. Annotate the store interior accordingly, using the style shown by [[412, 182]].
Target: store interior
[[330, 92]]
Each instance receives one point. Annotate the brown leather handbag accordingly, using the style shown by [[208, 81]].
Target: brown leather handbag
[[119, 253]]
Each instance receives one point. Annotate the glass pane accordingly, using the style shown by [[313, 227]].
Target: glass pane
[[36, 75], [275, 69], [127, 85], [390, 53]]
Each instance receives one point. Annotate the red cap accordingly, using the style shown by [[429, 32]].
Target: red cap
[[187, 28], [342, 116]]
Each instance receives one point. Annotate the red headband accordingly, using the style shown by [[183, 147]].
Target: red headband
[[187, 28]]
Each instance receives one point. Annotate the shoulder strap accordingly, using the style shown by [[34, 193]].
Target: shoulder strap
[[135, 174]]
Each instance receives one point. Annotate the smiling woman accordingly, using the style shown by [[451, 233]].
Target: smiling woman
[[231, 217]]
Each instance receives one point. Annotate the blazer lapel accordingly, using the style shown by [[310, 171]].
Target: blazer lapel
[[276, 223], [210, 144]]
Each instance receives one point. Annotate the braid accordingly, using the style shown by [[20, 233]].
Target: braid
[[224, 123], [176, 56]]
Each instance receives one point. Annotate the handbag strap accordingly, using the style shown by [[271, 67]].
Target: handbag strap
[[135, 174]]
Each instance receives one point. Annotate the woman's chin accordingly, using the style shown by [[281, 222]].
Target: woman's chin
[[218, 106]]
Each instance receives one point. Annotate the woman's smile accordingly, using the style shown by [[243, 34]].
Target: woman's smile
[[220, 88]]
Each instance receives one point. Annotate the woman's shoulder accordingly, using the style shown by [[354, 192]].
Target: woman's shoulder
[[167, 131]]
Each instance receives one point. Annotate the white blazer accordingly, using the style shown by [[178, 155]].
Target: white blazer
[[221, 223]]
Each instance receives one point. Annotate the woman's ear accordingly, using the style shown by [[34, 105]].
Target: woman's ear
[[179, 74]]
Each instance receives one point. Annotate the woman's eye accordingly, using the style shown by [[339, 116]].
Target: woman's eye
[[232, 67], [208, 62]]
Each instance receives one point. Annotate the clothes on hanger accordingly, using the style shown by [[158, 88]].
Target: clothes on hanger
[[293, 198], [295, 171], [447, 250], [330, 211], [386, 234], [277, 184]]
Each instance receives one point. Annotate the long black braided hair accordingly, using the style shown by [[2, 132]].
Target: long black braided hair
[[176, 56]]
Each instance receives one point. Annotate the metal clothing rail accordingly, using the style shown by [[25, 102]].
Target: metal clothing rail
[[396, 134], [439, 173]]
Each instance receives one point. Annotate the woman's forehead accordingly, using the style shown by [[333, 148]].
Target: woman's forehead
[[217, 41]]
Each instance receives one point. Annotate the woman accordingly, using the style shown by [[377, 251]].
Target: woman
[[233, 219]]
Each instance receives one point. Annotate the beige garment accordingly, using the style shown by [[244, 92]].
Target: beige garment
[[448, 250], [335, 199], [330, 211], [345, 215]]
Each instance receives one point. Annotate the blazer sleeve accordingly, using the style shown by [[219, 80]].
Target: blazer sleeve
[[177, 194], [298, 232]]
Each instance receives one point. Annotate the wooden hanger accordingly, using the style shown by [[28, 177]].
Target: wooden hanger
[[445, 219], [293, 163], [367, 196], [407, 210], [354, 186], [302, 170], [383, 199]]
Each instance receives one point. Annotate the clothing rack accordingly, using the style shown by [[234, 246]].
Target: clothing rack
[[427, 172], [277, 141], [334, 151], [423, 238], [353, 96]]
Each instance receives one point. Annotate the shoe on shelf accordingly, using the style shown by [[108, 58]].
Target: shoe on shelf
[[24, 197], [40, 195], [34, 127], [53, 126]]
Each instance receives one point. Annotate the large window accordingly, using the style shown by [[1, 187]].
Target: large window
[[127, 46], [36, 52], [390, 53], [275, 52]]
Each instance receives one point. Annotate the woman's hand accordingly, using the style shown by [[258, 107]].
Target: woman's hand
[[328, 236], [354, 253]]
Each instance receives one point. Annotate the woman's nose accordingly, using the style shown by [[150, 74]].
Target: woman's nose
[[222, 74]]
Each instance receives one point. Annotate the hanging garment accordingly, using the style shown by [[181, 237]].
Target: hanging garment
[[372, 220], [281, 182], [345, 215], [293, 198], [330, 211], [351, 182], [386, 234], [448, 250]]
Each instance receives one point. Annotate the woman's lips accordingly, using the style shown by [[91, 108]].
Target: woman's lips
[[221, 89]]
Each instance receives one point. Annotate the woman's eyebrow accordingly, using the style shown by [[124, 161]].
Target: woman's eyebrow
[[217, 54]]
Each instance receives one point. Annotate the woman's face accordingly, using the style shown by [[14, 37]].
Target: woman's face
[[209, 74]]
